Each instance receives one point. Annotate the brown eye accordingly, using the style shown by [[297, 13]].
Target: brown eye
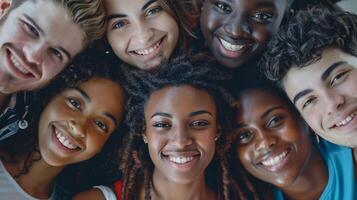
[[101, 125], [244, 136], [339, 78], [73, 103]]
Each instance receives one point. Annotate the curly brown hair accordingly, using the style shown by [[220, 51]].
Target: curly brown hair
[[301, 41], [135, 164]]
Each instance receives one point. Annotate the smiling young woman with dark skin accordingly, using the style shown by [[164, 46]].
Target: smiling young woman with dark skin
[[274, 145], [237, 31], [72, 126]]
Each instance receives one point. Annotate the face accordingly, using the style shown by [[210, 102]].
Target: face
[[271, 145], [237, 30], [76, 123], [34, 46], [181, 126], [141, 33], [325, 93]]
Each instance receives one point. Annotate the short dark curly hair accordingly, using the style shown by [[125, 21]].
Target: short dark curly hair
[[301, 40], [136, 164]]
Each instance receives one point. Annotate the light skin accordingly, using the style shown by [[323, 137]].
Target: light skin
[[237, 30], [34, 46], [325, 93], [275, 148], [73, 127], [141, 33], [181, 127]]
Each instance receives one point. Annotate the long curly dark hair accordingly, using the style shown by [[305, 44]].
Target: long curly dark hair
[[301, 41], [135, 163], [75, 177]]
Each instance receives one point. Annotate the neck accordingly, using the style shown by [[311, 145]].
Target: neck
[[311, 181], [38, 182], [163, 188]]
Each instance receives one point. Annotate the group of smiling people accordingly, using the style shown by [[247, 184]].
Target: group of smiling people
[[177, 100]]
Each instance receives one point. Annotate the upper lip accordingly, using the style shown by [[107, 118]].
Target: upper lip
[[148, 46], [340, 117], [23, 62], [69, 136]]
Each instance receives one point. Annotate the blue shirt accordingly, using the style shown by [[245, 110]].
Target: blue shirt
[[341, 183]]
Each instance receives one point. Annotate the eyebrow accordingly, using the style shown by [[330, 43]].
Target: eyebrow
[[119, 15], [110, 116], [161, 114], [147, 4], [263, 4], [200, 112], [300, 95], [43, 33], [83, 93], [266, 113], [330, 69]]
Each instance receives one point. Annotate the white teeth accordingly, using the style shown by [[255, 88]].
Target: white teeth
[[18, 65], [348, 119], [231, 47], [275, 160], [63, 139], [180, 160], [148, 50]]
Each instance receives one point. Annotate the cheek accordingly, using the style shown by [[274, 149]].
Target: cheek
[[118, 42], [262, 34]]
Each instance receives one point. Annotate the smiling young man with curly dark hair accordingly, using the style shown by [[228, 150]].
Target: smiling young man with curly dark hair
[[314, 59]]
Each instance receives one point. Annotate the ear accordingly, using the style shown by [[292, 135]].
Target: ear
[[4, 7], [218, 134], [145, 139]]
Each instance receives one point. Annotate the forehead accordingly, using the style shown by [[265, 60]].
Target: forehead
[[257, 101], [55, 21], [180, 99], [309, 76], [123, 6]]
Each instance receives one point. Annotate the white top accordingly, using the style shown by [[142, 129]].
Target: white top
[[107, 192], [9, 189]]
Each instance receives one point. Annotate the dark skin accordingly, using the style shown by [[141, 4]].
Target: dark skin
[[237, 30], [274, 147]]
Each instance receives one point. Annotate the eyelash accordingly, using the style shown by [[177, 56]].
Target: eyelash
[[73, 103], [223, 7], [199, 124], [245, 136], [338, 78], [153, 10], [275, 121], [308, 102], [101, 125], [262, 17], [161, 125], [30, 29]]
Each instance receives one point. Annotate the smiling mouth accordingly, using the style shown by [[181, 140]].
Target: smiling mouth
[[18, 67], [64, 140], [231, 47], [184, 161], [274, 162], [345, 121], [149, 50]]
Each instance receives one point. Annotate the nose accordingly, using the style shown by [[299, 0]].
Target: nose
[[334, 101], [143, 33], [237, 26], [34, 52], [265, 141], [181, 138], [76, 129]]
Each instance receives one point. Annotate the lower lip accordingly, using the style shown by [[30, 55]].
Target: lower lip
[[184, 166], [59, 145], [231, 54], [151, 55], [14, 70], [280, 165]]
